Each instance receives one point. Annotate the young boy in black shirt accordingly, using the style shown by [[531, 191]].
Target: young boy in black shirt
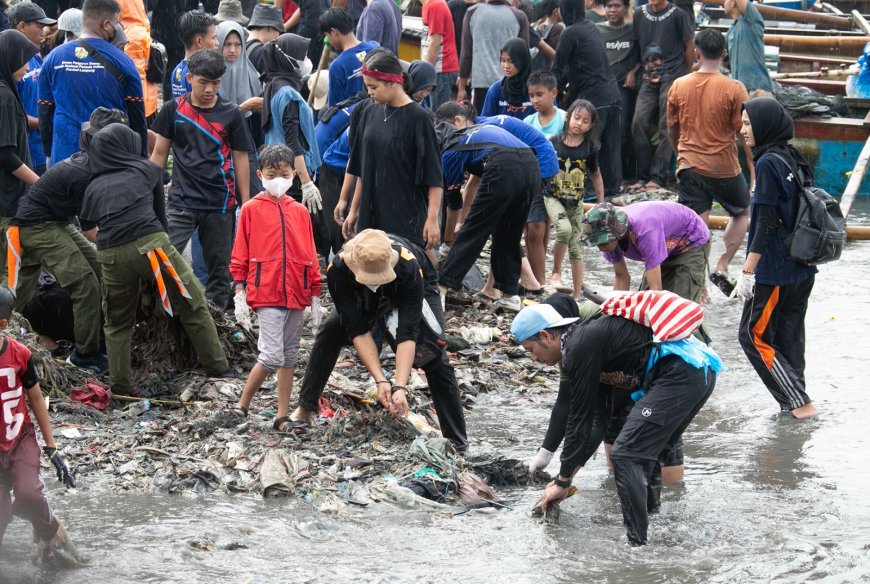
[[210, 144]]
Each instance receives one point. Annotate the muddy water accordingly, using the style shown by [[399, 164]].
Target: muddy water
[[766, 499]]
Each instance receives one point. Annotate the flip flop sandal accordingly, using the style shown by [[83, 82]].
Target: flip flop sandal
[[723, 281], [287, 427], [526, 292], [563, 288], [484, 298]]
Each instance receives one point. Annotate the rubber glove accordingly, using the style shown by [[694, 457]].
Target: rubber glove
[[311, 197], [316, 314], [540, 460], [60, 466], [745, 287], [242, 310]]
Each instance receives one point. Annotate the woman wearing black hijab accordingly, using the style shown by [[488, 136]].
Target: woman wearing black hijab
[[510, 96], [287, 118], [125, 201], [15, 171], [775, 289]]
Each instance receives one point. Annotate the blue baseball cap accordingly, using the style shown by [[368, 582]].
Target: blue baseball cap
[[533, 319]]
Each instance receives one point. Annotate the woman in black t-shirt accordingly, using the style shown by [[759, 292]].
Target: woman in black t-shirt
[[395, 154]]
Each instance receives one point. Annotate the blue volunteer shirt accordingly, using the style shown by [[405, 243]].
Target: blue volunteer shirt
[[344, 78], [328, 132], [28, 90], [456, 162], [180, 84], [338, 153], [495, 104], [76, 84], [532, 137]]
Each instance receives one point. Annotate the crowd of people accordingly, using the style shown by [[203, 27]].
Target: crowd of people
[[304, 150]]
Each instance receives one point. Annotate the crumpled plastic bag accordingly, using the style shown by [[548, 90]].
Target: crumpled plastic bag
[[403, 497], [435, 453], [94, 394], [241, 309], [279, 472]]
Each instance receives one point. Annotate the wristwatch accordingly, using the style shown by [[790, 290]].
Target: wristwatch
[[560, 483]]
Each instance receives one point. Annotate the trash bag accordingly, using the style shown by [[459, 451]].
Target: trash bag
[[802, 102], [436, 453], [858, 86], [94, 394]]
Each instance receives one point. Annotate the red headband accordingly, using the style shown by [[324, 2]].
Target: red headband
[[380, 75]]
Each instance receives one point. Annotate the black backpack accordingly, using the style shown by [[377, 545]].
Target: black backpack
[[156, 70], [819, 230]]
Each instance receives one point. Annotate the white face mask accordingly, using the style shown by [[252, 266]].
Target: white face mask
[[305, 67], [277, 186], [373, 288]]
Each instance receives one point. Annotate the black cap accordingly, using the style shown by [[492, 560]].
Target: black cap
[[28, 12]]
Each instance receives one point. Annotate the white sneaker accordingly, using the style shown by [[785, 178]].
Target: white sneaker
[[443, 250], [508, 304]]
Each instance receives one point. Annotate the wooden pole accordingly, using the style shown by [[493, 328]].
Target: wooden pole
[[836, 45], [860, 22], [324, 56], [857, 175], [790, 15]]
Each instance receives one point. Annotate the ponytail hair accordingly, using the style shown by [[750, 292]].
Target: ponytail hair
[[449, 110], [387, 62]]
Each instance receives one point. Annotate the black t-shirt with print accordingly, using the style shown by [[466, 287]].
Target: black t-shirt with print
[[670, 29], [576, 164], [202, 143]]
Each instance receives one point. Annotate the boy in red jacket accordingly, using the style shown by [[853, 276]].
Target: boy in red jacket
[[275, 273], [19, 451]]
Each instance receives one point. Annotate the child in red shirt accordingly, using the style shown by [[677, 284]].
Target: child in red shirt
[[19, 451], [275, 272]]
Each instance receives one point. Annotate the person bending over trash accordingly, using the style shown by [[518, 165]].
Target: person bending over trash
[[125, 201], [677, 378], [19, 451], [670, 239], [384, 285], [41, 237], [281, 283]]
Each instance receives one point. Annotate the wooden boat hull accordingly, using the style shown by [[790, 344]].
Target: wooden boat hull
[[831, 146]]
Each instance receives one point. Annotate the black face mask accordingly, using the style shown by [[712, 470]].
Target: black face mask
[[112, 35]]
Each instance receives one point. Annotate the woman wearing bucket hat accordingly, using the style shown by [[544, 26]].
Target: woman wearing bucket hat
[[671, 241], [385, 286]]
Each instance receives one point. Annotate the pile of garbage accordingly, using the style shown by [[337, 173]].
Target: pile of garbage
[[179, 435]]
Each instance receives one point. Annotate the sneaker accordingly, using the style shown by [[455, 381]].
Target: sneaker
[[96, 361], [508, 304], [443, 250]]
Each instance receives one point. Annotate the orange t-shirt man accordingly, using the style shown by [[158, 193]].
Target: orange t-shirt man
[[707, 109]]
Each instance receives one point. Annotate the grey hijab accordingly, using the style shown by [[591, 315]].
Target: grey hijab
[[241, 81]]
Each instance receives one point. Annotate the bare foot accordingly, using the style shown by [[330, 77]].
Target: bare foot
[[653, 186], [491, 293], [636, 186], [805, 412]]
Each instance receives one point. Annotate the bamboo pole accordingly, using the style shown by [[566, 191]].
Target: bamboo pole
[[860, 22]]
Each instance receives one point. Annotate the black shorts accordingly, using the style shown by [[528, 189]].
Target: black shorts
[[697, 192]]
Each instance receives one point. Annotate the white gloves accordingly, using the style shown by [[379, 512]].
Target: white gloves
[[316, 314], [745, 288], [311, 197], [242, 310], [540, 460]]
